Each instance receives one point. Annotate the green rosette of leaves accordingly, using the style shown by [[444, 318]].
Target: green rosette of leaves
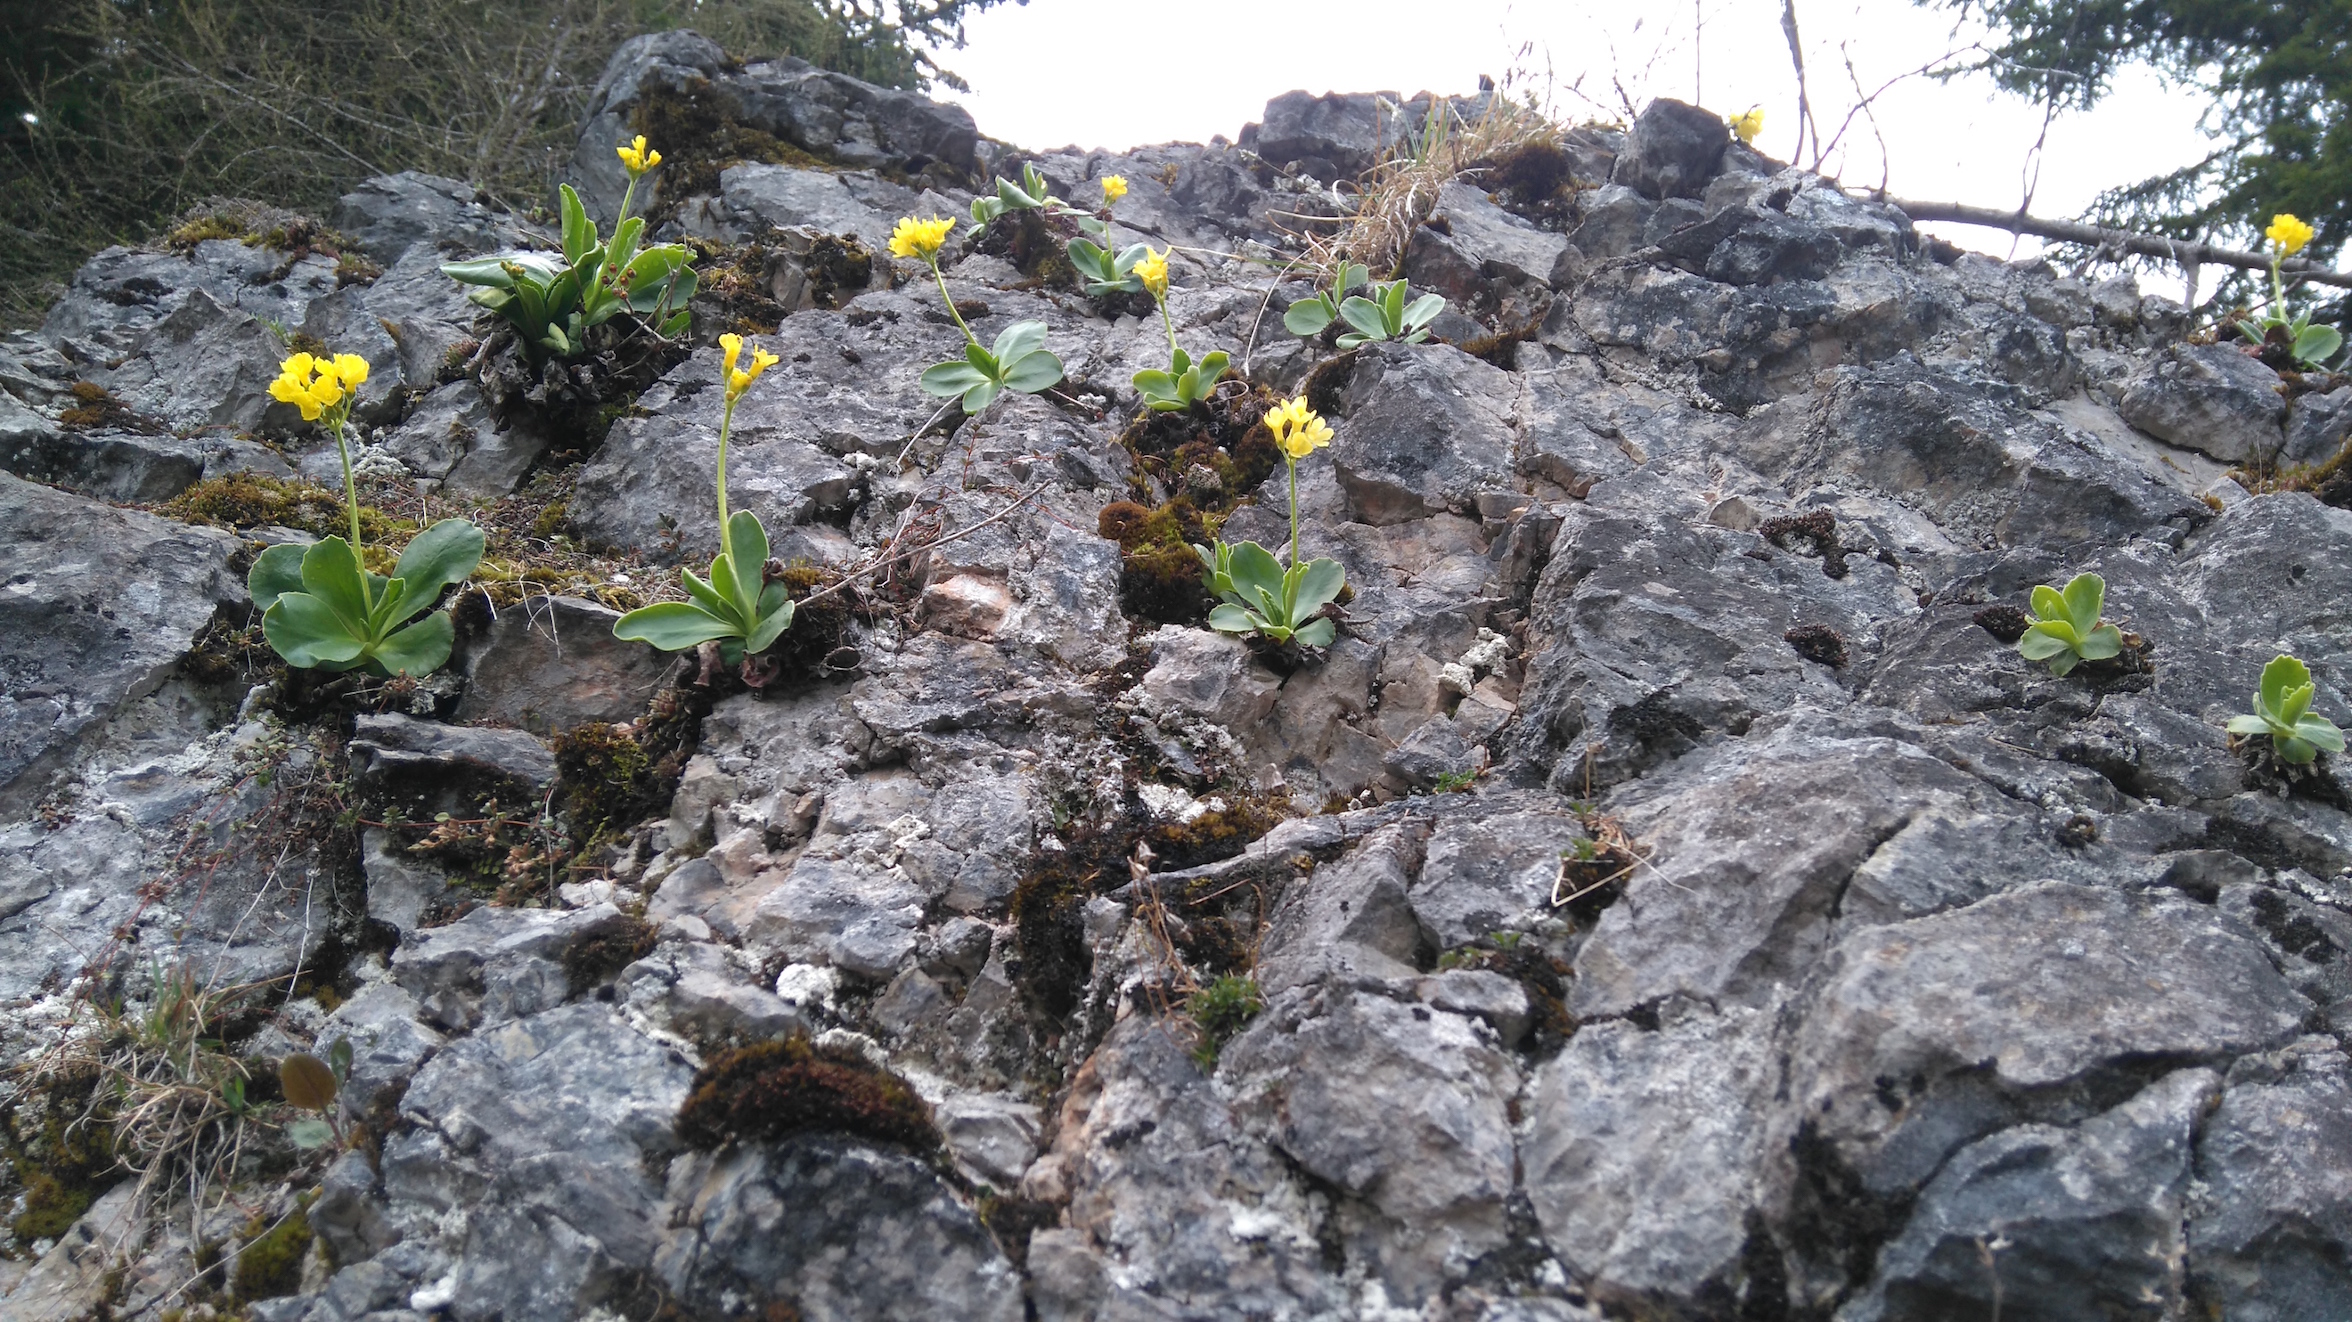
[[2282, 710], [322, 611], [2067, 629]]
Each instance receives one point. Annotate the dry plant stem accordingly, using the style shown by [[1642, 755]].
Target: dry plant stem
[[961, 533], [2144, 245]]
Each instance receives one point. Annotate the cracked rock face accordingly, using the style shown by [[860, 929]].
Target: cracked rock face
[[1670, 896]]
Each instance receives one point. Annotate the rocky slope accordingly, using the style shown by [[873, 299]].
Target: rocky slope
[[1895, 978]]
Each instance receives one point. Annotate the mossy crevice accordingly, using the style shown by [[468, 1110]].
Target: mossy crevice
[[776, 1089], [700, 140], [1192, 467]]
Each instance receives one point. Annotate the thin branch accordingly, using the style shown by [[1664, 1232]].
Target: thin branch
[[2144, 245]]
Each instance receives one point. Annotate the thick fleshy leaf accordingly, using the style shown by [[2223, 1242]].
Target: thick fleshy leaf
[[310, 1134], [1308, 316], [1255, 573], [307, 632], [1032, 372], [2317, 344], [1152, 383], [722, 581], [418, 650], [438, 557], [2297, 702], [1212, 369], [2282, 676], [330, 572], [2249, 725], [773, 621], [946, 379], [276, 571], [489, 272], [1365, 316], [1352, 339], [2101, 643], [2045, 640], [1229, 619], [1089, 257], [704, 595], [2321, 732], [747, 547], [2048, 604], [672, 626], [1423, 310], [2085, 597], [578, 234], [2064, 662], [2295, 751], [1319, 582], [1317, 633], [979, 397]]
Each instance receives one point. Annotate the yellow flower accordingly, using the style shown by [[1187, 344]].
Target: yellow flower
[[919, 238], [740, 381], [1747, 126], [1114, 188], [2289, 233], [636, 159], [1153, 271], [315, 385], [1299, 430]]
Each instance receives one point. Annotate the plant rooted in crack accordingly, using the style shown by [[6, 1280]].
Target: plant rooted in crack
[[1017, 361], [2282, 710], [2067, 629], [321, 608], [1255, 593], [739, 606]]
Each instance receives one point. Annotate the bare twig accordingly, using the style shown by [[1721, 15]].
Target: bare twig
[[2189, 255]]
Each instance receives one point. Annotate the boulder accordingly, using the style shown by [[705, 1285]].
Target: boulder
[[1674, 150], [1426, 430], [2211, 398], [1333, 136]]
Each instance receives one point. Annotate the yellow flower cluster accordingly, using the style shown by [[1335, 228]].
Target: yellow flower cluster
[[314, 384], [2289, 233], [636, 158], [1299, 430], [1747, 126], [739, 380], [1153, 271], [1114, 187], [919, 238]]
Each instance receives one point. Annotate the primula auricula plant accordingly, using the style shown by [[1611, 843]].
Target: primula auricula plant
[[1104, 271], [1255, 593], [1387, 316], [321, 608], [553, 302], [2067, 629], [1017, 361], [736, 607], [2282, 710], [1309, 316], [2310, 346], [1186, 382]]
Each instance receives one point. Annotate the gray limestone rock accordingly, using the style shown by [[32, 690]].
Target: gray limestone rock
[[551, 663], [389, 215], [2270, 1234], [2211, 398], [2073, 1221], [1426, 430], [97, 608], [1674, 150]]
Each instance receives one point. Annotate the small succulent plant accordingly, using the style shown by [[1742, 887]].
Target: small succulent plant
[[2282, 710], [2067, 629]]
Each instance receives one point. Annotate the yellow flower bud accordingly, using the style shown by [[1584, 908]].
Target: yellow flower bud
[[1153, 271], [739, 380], [2289, 233], [919, 238], [1746, 127], [636, 158], [1114, 187]]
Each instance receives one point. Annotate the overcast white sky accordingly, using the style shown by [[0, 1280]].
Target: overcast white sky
[[1183, 72]]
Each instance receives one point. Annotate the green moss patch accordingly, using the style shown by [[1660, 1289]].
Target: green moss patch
[[1208, 459], [270, 1264], [698, 139], [777, 1089]]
